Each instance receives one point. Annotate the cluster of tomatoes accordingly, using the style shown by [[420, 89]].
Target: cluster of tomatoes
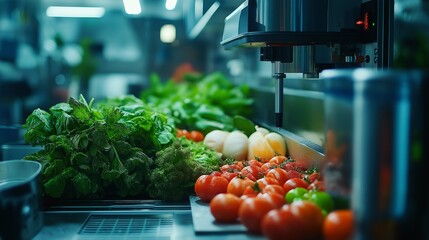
[[193, 135], [278, 198]]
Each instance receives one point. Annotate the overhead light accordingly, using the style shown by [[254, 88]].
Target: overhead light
[[170, 4], [80, 12], [132, 7], [199, 26], [168, 33]]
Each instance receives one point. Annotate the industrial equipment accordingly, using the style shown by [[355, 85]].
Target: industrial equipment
[[311, 36], [307, 37]]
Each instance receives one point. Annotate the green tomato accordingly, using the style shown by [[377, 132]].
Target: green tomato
[[321, 199], [296, 194]]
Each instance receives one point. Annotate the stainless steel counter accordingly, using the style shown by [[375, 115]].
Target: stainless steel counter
[[126, 224]]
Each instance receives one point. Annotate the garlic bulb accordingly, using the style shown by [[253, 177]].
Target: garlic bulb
[[215, 139], [233, 144], [236, 146]]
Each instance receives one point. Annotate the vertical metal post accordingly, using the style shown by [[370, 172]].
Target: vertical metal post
[[279, 69]]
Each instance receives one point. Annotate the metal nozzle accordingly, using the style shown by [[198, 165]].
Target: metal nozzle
[[279, 75]]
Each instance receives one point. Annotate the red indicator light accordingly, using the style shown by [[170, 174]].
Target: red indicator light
[[366, 21], [359, 22]]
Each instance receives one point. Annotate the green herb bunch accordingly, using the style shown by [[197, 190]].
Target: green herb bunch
[[178, 166]]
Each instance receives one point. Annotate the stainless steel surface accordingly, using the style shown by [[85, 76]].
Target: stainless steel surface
[[204, 222], [20, 199], [278, 75], [292, 15], [304, 61], [279, 67], [15, 173], [278, 102], [17, 151], [68, 225], [303, 101], [302, 149]]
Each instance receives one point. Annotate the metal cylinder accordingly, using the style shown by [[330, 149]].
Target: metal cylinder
[[374, 148], [303, 60], [386, 129], [278, 75], [292, 15], [278, 67]]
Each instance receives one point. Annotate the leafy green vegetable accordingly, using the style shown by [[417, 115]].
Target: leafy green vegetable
[[203, 104], [38, 126], [243, 124], [93, 152], [127, 146], [178, 166]]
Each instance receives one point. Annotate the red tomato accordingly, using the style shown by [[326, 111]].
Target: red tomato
[[251, 177], [254, 162], [315, 176], [252, 190], [244, 197], [338, 224], [293, 174], [280, 174], [277, 199], [317, 185], [288, 165], [312, 216], [294, 183], [299, 220], [260, 186], [238, 184], [263, 182], [274, 189], [277, 160], [241, 164], [253, 170], [230, 168], [207, 186], [280, 224], [183, 133], [196, 136], [224, 207], [299, 165], [216, 173], [267, 167], [251, 212], [302, 165], [229, 175]]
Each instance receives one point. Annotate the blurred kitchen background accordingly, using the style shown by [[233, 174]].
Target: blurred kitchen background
[[48, 54]]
